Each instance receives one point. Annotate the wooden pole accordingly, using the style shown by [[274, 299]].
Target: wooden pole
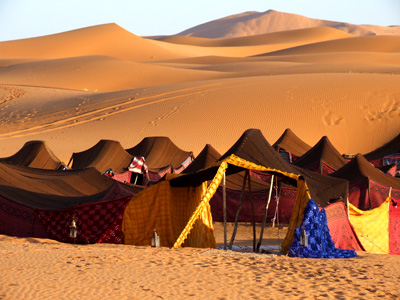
[[238, 210], [254, 214], [266, 213], [224, 203]]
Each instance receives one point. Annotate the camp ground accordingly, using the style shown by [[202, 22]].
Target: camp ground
[[85, 202]]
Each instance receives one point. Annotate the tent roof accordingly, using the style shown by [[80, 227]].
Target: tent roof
[[253, 147], [35, 154], [391, 147], [160, 152], [102, 156], [292, 143], [206, 157], [209, 156], [323, 151], [55, 189], [359, 168]]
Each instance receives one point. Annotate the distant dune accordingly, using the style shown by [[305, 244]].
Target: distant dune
[[270, 71], [254, 23]]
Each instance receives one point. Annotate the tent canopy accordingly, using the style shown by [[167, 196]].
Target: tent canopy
[[393, 146], [253, 147], [104, 155], [160, 152], [322, 152], [35, 154], [290, 142], [359, 168], [56, 189]]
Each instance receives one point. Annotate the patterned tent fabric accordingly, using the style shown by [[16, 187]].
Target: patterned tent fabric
[[372, 227], [95, 222], [393, 159], [285, 202], [342, 233], [394, 227], [18, 220], [167, 210], [320, 244]]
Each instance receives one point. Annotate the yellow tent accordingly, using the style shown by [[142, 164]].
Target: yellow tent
[[181, 215]]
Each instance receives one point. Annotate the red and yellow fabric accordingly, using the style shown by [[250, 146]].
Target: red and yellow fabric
[[372, 227], [167, 209]]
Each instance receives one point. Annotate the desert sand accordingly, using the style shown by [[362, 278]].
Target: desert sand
[[45, 269], [74, 88]]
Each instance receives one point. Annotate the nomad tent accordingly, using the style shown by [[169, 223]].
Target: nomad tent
[[253, 152], [106, 154], [162, 156], [290, 146], [369, 187], [43, 203], [35, 154], [323, 158], [387, 154]]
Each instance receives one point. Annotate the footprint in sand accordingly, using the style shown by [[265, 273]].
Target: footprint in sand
[[389, 109], [331, 119]]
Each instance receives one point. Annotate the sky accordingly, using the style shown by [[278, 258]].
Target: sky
[[30, 18]]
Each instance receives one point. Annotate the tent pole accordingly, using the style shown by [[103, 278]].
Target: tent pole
[[254, 214], [224, 201], [266, 213], [238, 210]]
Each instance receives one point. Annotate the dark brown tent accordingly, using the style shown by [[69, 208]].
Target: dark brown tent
[[387, 154], [253, 147], [290, 143], [56, 189], [42, 203], [391, 147], [369, 187], [161, 153], [323, 158], [206, 157], [106, 154], [35, 154]]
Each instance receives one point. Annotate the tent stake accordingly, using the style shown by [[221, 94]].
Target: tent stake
[[238, 211], [265, 215], [224, 201], [254, 214]]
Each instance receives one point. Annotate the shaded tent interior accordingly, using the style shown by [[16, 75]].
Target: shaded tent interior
[[322, 158], [35, 154], [292, 144], [56, 189], [106, 154], [160, 153]]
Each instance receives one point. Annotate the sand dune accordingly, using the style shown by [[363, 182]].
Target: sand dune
[[96, 73], [107, 39], [299, 36], [253, 23], [385, 44]]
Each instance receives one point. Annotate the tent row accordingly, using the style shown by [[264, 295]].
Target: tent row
[[168, 205]]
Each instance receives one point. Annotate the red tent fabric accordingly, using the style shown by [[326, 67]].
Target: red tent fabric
[[95, 222], [20, 221], [394, 227], [342, 233]]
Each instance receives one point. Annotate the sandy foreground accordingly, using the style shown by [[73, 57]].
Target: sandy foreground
[[45, 269]]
